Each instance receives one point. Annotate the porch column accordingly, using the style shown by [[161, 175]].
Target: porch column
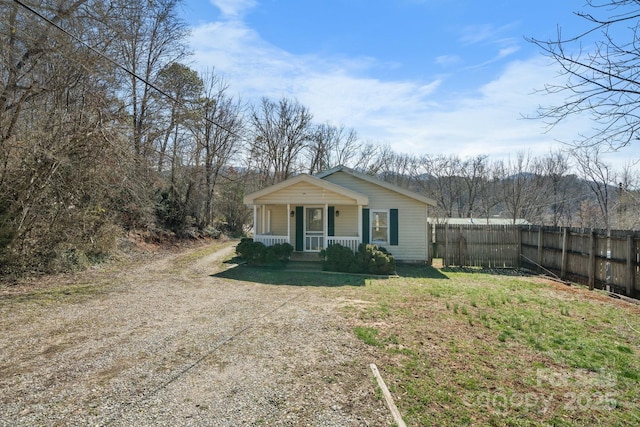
[[262, 214], [255, 220], [268, 223], [359, 224], [326, 226], [288, 223]]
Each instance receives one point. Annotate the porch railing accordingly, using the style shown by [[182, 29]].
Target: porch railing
[[349, 242], [270, 240]]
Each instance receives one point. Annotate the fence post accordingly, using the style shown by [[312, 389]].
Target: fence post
[[592, 259], [461, 260], [446, 246], [565, 253], [540, 240], [631, 266], [519, 244], [430, 246]]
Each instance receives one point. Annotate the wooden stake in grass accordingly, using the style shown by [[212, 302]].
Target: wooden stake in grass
[[387, 397]]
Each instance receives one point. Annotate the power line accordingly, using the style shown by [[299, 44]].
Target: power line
[[120, 66]]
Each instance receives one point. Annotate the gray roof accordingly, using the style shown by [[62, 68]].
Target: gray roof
[[478, 221]]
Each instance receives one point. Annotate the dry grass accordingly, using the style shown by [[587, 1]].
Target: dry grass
[[188, 338], [172, 341]]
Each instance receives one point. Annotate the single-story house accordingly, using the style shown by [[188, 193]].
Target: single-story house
[[342, 206]]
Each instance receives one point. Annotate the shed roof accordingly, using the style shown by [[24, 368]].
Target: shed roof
[[479, 221]]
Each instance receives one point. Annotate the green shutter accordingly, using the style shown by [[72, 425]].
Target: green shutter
[[365, 226], [299, 228], [393, 224], [331, 221]]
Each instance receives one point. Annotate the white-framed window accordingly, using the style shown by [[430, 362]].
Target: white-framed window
[[379, 227]]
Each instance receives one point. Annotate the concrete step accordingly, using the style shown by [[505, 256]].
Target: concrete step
[[305, 257]]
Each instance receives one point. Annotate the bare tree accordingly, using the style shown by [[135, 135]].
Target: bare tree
[[599, 177], [601, 81], [219, 135], [628, 200], [522, 189], [398, 168], [368, 157], [330, 146], [474, 177], [489, 197], [439, 177], [150, 35], [281, 131], [554, 168]]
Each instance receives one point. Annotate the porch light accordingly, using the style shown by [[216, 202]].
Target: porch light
[[337, 213], [292, 214]]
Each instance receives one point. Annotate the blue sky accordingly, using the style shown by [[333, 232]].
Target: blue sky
[[424, 76]]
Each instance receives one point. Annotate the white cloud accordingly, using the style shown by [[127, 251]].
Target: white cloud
[[233, 9], [448, 60], [485, 33], [412, 116]]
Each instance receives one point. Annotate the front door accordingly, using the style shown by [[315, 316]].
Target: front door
[[314, 229]]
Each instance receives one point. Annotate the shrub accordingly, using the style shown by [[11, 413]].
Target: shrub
[[278, 254], [244, 247], [339, 258], [252, 252], [369, 259], [375, 260], [282, 251], [258, 253]]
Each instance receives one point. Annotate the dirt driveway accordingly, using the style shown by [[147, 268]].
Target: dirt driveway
[[168, 344]]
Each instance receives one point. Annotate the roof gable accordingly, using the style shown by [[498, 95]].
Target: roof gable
[[378, 182], [358, 198]]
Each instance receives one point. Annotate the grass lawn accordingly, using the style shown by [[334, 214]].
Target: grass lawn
[[463, 347]]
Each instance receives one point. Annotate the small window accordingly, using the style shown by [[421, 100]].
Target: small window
[[314, 219], [379, 227]]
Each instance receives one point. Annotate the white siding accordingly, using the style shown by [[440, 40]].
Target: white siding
[[278, 219], [346, 224], [412, 215]]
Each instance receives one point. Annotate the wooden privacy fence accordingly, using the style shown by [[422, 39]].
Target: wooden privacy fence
[[608, 260], [475, 245]]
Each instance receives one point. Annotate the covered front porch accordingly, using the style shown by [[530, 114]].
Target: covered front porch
[[308, 213], [308, 228]]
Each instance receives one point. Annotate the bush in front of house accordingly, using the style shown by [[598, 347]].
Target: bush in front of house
[[339, 258], [375, 259], [278, 253], [250, 251], [259, 254], [369, 259]]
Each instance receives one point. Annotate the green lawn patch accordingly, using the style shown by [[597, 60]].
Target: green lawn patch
[[258, 274], [467, 348]]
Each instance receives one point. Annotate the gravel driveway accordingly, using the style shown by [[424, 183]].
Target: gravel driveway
[[168, 344]]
